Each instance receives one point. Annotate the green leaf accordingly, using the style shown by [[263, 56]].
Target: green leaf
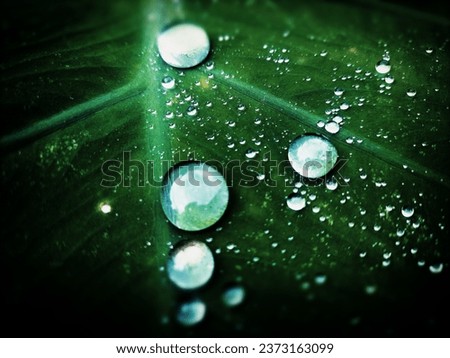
[[81, 87]]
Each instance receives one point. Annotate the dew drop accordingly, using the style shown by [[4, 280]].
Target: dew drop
[[233, 296], [389, 79], [251, 153], [331, 183], [407, 211], [320, 279], [183, 45], [168, 82], [371, 289], [194, 196], [190, 264], [296, 202], [312, 156], [210, 65], [338, 91], [332, 127], [429, 50], [383, 66], [436, 268], [411, 93], [192, 111], [191, 312], [105, 208]]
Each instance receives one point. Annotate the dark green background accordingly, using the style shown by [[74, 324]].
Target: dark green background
[[80, 84]]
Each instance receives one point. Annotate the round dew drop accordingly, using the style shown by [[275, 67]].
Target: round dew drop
[[183, 45], [191, 312], [383, 67], [194, 196], [312, 156], [296, 202], [190, 264], [233, 296], [168, 82]]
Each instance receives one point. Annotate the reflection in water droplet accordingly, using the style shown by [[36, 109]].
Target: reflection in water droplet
[[296, 202], [194, 196], [312, 156], [383, 66], [436, 268], [190, 264], [183, 45], [191, 313], [407, 211], [233, 296], [168, 82]]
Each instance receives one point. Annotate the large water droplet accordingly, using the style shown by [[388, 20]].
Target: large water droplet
[[191, 312], [190, 264], [383, 66], [296, 202], [194, 196], [183, 45], [233, 295], [312, 156], [332, 127], [168, 82]]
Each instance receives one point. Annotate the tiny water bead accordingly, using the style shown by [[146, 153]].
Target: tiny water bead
[[383, 67], [233, 296], [436, 268], [296, 202], [312, 156], [191, 312], [194, 196], [190, 264], [168, 82], [183, 45]]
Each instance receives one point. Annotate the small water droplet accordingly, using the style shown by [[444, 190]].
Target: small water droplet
[[191, 111], [241, 107], [191, 312], [331, 183], [320, 279], [296, 202], [324, 53], [312, 156], [383, 66], [337, 119], [436, 268], [251, 153], [338, 91], [168, 82], [407, 211], [332, 127], [344, 106], [194, 196], [363, 254], [389, 79], [233, 296], [429, 50], [210, 65], [190, 264], [371, 289], [411, 93], [183, 45], [105, 208]]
